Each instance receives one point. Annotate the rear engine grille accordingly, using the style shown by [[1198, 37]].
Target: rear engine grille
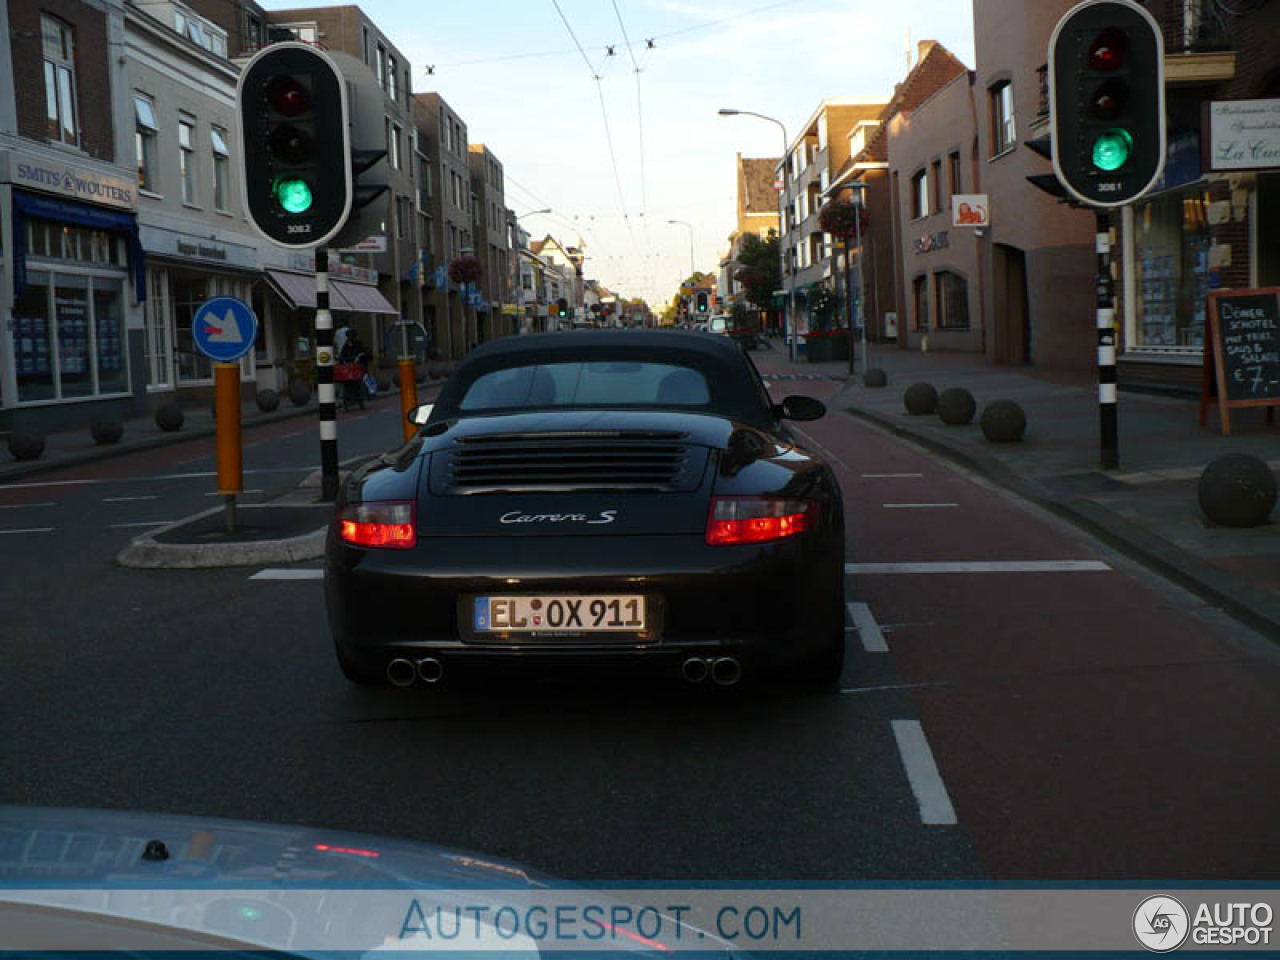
[[571, 463]]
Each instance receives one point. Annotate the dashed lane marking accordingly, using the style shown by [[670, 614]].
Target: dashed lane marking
[[890, 476], [918, 506], [142, 523], [243, 493], [922, 773], [868, 630], [30, 530], [149, 496], [27, 506], [289, 573], [982, 566]]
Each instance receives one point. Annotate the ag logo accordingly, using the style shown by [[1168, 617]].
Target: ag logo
[[1161, 923], [324, 356]]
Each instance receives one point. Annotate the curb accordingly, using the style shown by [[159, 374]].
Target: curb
[[19, 470], [144, 552], [1245, 603]]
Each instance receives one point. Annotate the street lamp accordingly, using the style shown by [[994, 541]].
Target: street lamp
[[532, 212], [789, 313], [690, 227]]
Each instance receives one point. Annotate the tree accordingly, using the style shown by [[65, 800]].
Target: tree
[[758, 269]]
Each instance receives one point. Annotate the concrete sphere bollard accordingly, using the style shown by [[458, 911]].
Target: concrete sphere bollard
[[268, 400], [25, 445], [1237, 490], [1003, 422], [170, 417], [956, 406], [299, 393], [875, 378], [920, 398], [106, 432]]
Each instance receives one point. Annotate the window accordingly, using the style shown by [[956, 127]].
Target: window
[[593, 383], [380, 68], [145, 130], [254, 35], [822, 133], [221, 167], [953, 169], [158, 359], [920, 195], [937, 186], [424, 232], [391, 79], [59, 81], [364, 44], [393, 144], [1004, 133], [920, 302], [187, 160], [952, 296]]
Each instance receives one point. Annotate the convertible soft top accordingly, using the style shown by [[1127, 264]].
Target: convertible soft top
[[735, 391]]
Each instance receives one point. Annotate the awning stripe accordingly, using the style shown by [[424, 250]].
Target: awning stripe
[[299, 290]]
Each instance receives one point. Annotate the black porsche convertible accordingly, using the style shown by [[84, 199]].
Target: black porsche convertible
[[631, 495]]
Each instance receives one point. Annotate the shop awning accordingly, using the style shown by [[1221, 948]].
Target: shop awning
[[299, 291]]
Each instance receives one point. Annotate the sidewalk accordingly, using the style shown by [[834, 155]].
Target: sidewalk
[[70, 448], [1148, 508]]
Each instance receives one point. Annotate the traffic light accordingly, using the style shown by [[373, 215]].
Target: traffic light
[[562, 308], [296, 157], [1106, 90], [370, 174], [702, 301]]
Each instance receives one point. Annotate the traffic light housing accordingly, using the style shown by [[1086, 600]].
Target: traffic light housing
[[1106, 91], [370, 171], [562, 308], [702, 301], [291, 102]]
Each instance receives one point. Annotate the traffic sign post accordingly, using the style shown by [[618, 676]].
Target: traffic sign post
[[1107, 101], [224, 330]]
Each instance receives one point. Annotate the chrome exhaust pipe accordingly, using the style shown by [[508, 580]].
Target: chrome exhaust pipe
[[726, 671], [694, 670], [430, 670], [401, 672]]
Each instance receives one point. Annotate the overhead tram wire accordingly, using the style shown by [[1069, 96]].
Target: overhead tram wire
[[644, 194]]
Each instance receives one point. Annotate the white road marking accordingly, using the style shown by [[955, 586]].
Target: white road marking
[[868, 630], [128, 499], [894, 686], [25, 506], [918, 506], [286, 573], [922, 773], [286, 436], [142, 523], [31, 530], [49, 483], [889, 476], [243, 493], [982, 566]]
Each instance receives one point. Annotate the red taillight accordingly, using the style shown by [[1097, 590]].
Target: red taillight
[[381, 525], [755, 520]]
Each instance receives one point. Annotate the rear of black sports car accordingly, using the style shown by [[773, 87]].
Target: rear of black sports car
[[685, 541]]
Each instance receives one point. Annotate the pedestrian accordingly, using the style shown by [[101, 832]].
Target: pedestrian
[[354, 352]]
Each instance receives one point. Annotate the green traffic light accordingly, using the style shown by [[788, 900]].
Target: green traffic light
[[293, 195], [1112, 149]]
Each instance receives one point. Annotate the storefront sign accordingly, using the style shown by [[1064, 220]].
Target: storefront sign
[[75, 182], [376, 244], [933, 241], [970, 210], [1244, 134], [171, 243], [306, 263]]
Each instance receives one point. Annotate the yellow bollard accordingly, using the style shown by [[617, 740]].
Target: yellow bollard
[[408, 397]]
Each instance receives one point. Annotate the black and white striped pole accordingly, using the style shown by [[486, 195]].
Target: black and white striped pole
[[324, 381], [1108, 419]]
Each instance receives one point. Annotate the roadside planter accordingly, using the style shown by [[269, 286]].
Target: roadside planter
[[920, 398], [1003, 422]]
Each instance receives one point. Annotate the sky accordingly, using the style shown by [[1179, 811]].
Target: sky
[[618, 157]]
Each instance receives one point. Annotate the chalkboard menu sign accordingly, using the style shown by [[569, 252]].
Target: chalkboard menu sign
[[1242, 352]]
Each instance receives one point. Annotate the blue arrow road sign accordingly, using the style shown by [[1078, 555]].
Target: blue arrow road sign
[[224, 329]]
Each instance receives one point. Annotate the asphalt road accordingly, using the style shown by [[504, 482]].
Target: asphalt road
[[1079, 719]]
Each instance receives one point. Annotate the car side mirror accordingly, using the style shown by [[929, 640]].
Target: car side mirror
[[800, 408], [420, 414]]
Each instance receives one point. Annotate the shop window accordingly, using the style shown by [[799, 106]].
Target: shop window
[[32, 345], [952, 297], [187, 160], [1171, 250], [157, 339], [920, 303], [146, 128], [188, 294], [109, 335], [1004, 129], [221, 158], [59, 81]]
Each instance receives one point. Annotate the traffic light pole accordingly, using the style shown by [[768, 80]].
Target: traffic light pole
[[1106, 322], [324, 380]]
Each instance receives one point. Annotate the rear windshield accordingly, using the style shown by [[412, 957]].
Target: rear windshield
[[589, 384]]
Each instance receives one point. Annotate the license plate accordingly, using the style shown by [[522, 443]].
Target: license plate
[[615, 613]]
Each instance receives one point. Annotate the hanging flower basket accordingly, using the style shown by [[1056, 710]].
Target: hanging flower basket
[[466, 269], [840, 218]]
